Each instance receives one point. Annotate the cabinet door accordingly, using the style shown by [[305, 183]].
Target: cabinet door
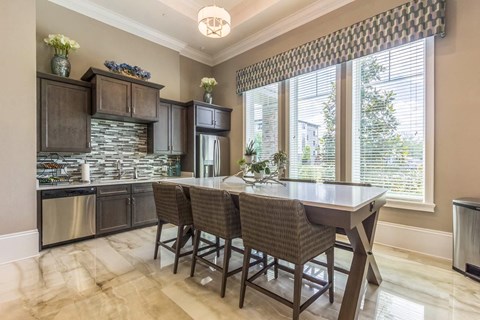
[[222, 120], [161, 130], [113, 213], [205, 117], [113, 96], [178, 131], [143, 209], [144, 102], [64, 117]]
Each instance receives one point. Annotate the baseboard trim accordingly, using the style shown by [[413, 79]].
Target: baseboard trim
[[425, 241], [18, 246]]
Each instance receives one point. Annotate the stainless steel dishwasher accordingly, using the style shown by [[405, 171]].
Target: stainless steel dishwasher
[[68, 214]]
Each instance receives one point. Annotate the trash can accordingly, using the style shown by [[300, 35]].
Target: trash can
[[466, 237]]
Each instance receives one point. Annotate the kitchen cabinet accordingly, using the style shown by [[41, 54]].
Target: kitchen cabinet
[[122, 207], [63, 113], [143, 205], [212, 118], [168, 135], [123, 98], [114, 208], [203, 118]]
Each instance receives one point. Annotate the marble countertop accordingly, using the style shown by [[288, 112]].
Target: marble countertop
[[342, 197], [99, 183]]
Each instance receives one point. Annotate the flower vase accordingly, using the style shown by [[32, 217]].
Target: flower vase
[[60, 65], [207, 97]]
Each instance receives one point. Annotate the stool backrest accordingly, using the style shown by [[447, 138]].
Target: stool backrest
[[171, 203], [214, 212], [274, 226]]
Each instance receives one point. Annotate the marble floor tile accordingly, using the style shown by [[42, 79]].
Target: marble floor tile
[[115, 277]]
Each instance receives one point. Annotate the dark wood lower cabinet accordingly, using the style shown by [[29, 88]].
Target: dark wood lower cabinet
[[143, 209], [123, 207], [113, 213]]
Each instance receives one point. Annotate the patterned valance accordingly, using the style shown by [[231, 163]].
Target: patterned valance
[[409, 22]]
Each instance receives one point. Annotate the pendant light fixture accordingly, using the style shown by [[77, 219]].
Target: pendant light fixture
[[213, 21]]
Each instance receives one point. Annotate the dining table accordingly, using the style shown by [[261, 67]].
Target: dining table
[[353, 208]]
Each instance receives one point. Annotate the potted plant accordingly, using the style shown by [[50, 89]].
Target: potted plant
[[250, 152], [243, 165], [259, 169], [280, 159]]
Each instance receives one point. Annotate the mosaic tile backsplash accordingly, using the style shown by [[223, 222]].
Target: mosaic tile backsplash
[[112, 141]]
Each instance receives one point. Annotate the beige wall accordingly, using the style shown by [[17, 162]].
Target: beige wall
[[191, 72], [17, 116], [457, 111], [100, 42]]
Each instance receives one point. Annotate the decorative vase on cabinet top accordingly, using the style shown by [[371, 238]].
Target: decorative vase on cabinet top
[[60, 65], [207, 97]]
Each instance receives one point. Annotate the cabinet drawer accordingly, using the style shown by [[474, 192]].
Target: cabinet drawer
[[113, 190], [142, 187]]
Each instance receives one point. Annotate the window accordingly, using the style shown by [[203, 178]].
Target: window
[[386, 134], [389, 110], [261, 119], [313, 125]]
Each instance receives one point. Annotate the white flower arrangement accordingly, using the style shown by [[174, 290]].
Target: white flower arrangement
[[61, 44], [208, 83]]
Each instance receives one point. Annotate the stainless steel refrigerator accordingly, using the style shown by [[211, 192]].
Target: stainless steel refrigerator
[[213, 156]]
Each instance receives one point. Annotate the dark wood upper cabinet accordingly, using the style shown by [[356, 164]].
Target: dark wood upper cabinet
[[222, 120], [144, 102], [212, 116], [123, 98], [64, 107], [168, 135], [112, 97], [205, 117], [178, 126]]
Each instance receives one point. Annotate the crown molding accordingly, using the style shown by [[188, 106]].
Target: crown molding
[[284, 25], [197, 55], [126, 24]]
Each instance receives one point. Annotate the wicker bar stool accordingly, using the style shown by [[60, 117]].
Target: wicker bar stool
[[173, 206], [214, 212], [281, 229]]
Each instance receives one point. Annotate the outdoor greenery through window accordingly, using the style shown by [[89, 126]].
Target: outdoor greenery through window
[[312, 125], [261, 120], [388, 120]]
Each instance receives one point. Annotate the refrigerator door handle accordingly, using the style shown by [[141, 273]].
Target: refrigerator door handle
[[219, 162], [215, 158]]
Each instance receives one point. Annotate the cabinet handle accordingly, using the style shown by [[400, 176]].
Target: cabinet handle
[[129, 110], [133, 202], [129, 201], [133, 110], [89, 144]]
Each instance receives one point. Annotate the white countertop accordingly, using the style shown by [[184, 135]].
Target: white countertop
[[340, 197], [98, 183]]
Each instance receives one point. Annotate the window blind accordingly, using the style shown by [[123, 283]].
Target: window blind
[[261, 117], [312, 125], [388, 120]]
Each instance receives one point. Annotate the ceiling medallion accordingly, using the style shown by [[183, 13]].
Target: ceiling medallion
[[214, 22]]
